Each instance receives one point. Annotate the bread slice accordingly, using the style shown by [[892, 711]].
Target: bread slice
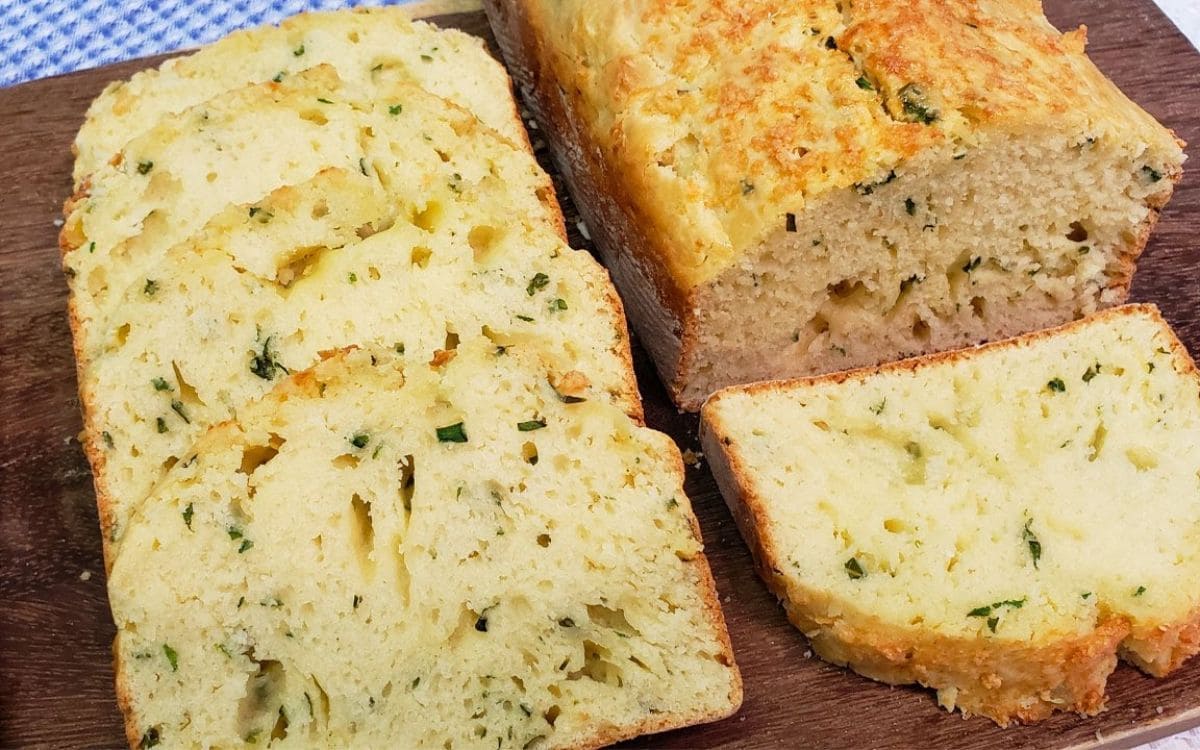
[[785, 189], [238, 148], [405, 555], [368, 47], [246, 302], [998, 524]]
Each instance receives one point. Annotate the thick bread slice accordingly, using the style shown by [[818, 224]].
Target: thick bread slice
[[239, 147], [786, 189], [367, 46], [385, 553], [249, 301], [998, 523]]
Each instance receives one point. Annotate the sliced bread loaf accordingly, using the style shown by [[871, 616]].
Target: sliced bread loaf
[[367, 46], [400, 554], [248, 301], [785, 189], [998, 524], [238, 148]]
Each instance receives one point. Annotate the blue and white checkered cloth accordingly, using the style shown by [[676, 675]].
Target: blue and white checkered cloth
[[41, 38]]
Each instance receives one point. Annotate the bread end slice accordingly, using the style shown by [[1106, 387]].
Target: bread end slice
[[1000, 523]]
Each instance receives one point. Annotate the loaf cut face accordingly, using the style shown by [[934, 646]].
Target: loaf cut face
[[999, 524], [785, 189], [238, 148], [233, 314], [399, 554], [366, 46]]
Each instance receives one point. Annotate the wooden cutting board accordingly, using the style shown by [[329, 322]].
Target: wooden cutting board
[[55, 630]]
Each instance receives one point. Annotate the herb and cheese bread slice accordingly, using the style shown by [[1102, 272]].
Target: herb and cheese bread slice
[[222, 320], [239, 147], [370, 47], [785, 189], [999, 524], [384, 552]]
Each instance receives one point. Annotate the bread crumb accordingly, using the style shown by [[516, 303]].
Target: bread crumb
[[85, 575], [692, 458], [583, 230], [808, 654], [1158, 710], [728, 598], [532, 124], [58, 223]]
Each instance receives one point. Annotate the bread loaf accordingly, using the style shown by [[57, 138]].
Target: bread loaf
[[368, 47], [399, 554], [784, 189], [999, 524]]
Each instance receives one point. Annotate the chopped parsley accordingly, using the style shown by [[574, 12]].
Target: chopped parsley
[[395, 109], [427, 58], [1140, 590], [916, 106], [1152, 174], [279, 77], [356, 601], [177, 407], [246, 544], [539, 281], [144, 167], [161, 385], [558, 304], [453, 433], [972, 264], [747, 186], [234, 532], [264, 364], [162, 425], [150, 288], [298, 51], [1057, 385], [172, 657], [108, 439], [352, 277], [323, 100], [854, 570], [864, 84], [150, 739], [566, 622], [991, 611], [360, 440], [362, 165], [531, 425], [525, 318], [1091, 372], [878, 408], [910, 206], [1084, 249], [187, 516], [1035, 546], [866, 188]]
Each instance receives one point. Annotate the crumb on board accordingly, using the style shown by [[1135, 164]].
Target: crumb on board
[[85, 575], [58, 223], [692, 458], [583, 230]]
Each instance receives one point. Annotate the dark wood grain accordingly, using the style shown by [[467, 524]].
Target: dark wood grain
[[55, 630]]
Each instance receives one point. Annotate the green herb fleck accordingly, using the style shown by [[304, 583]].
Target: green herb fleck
[[539, 281], [1152, 174], [910, 206], [453, 433], [188, 512], [866, 188], [558, 304], [161, 385], [107, 437], [172, 657], [91, 247], [864, 84], [1086, 595], [1091, 372], [983, 611], [356, 601], [1084, 249], [151, 288], [278, 77], [427, 58], [150, 739], [395, 109], [264, 364], [323, 100], [241, 601], [525, 318], [1140, 590], [352, 277], [747, 186], [853, 569], [566, 622], [1035, 547], [1057, 385], [916, 105], [144, 167], [878, 407], [972, 264], [246, 544], [531, 425], [298, 51], [481, 624], [992, 623], [362, 165], [177, 407], [360, 440], [161, 424], [913, 450]]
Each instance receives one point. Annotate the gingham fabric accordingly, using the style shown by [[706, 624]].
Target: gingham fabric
[[40, 38]]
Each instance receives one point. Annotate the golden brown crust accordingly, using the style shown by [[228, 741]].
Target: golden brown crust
[[1004, 681]]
